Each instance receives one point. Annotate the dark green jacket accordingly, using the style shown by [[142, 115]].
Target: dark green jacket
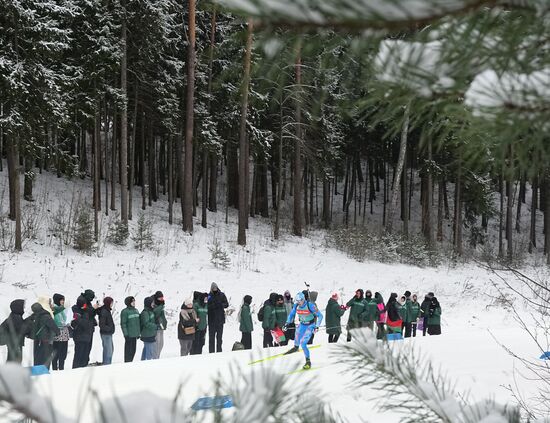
[[435, 317], [357, 309], [280, 315], [269, 316], [406, 312], [129, 322], [333, 314], [160, 317], [246, 319], [44, 327], [148, 326], [202, 313], [371, 313], [415, 311]]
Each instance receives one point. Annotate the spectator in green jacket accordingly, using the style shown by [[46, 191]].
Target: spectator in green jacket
[[370, 315], [245, 323], [148, 329], [269, 322], [200, 304], [415, 313], [281, 315], [434, 318], [407, 315], [357, 307], [129, 322], [333, 314]]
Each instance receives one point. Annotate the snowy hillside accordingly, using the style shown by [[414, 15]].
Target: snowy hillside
[[474, 319]]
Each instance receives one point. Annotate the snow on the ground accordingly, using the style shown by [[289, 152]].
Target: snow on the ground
[[472, 322]]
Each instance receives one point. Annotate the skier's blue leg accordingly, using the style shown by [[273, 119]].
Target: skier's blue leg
[[308, 330]]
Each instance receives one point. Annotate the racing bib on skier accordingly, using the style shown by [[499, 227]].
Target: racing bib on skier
[[306, 316]]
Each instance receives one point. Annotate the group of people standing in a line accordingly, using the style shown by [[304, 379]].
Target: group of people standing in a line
[[51, 324]]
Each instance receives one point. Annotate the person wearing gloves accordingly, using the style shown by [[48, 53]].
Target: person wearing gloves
[[310, 319], [289, 303], [129, 322], [187, 326], [245, 323], [201, 308], [43, 331], [13, 331], [61, 341], [148, 329], [217, 303], [107, 329], [334, 312], [160, 319]]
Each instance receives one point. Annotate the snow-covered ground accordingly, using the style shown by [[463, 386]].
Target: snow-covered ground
[[474, 322]]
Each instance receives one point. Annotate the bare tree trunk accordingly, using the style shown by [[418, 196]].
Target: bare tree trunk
[[510, 206], [212, 186], [133, 155], [458, 212], [501, 217], [534, 205], [15, 190], [114, 143], [326, 202], [187, 200], [106, 157], [399, 170], [243, 140], [305, 191], [28, 176], [96, 174], [547, 216], [427, 199], [170, 180], [440, 209], [297, 181], [142, 164], [124, 128], [521, 200], [280, 171]]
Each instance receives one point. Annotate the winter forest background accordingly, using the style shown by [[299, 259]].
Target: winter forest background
[[410, 132]]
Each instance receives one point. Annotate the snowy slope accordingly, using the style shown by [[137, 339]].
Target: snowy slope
[[181, 264]]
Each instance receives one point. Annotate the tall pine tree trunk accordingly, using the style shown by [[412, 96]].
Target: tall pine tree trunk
[[96, 173], [15, 189], [243, 149], [114, 143], [399, 170], [106, 156], [427, 230], [132, 159], [124, 128], [187, 199], [509, 206], [297, 180]]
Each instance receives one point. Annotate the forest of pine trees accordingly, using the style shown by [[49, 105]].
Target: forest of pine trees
[[176, 97]]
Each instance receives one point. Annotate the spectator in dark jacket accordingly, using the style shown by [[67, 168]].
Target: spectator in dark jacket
[[106, 329], [129, 322], [200, 306], [83, 331], [13, 331], [43, 332], [92, 309], [217, 303], [269, 320], [289, 305], [424, 308], [394, 322], [160, 320], [187, 326]]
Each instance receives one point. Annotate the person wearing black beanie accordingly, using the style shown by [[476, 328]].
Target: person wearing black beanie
[[160, 320], [129, 322]]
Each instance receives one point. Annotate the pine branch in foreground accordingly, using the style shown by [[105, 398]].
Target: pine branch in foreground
[[411, 386]]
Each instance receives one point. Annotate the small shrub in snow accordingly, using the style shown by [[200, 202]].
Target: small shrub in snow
[[6, 234], [218, 256], [360, 244], [143, 234], [83, 233], [118, 233]]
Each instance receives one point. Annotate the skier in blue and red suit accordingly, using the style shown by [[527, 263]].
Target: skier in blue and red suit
[[310, 318]]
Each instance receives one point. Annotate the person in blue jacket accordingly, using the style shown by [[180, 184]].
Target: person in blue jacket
[[310, 318]]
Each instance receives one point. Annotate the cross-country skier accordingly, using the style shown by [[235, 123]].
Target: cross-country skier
[[310, 318]]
